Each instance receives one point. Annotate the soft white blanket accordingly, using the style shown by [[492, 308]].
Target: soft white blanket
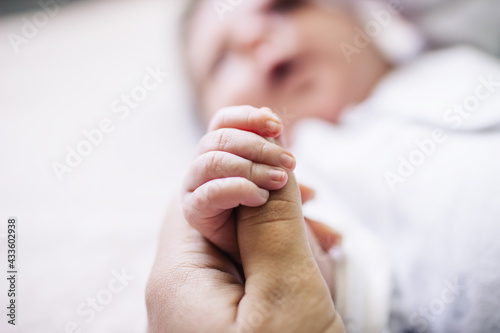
[[417, 166]]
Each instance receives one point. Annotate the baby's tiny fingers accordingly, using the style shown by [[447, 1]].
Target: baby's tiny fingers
[[247, 118], [247, 145], [219, 164], [209, 207], [217, 196]]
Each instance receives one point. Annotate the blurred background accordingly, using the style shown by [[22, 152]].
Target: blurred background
[[95, 134], [15, 6], [101, 218]]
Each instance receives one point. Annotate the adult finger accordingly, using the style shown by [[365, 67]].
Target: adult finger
[[279, 266], [193, 286]]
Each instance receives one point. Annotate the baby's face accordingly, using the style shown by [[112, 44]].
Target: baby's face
[[283, 54]]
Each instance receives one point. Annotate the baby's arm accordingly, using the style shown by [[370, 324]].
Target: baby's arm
[[236, 165]]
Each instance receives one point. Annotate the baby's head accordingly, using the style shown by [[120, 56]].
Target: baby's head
[[283, 54]]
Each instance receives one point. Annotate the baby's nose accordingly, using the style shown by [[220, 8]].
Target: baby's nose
[[249, 32]]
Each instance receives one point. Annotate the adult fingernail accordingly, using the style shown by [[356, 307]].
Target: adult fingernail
[[288, 161], [277, 175]]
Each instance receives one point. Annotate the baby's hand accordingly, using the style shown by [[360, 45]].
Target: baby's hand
[[236, 165]]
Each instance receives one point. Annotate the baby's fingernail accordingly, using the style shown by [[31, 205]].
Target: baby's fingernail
[[273, 126], [288, 161], [272, 114], [264, 194], [277, 175]]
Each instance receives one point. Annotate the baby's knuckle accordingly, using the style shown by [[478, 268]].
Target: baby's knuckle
[[222, 138], [214, 161], [250, 118], [223, 165], [265, 150], [200, 199], [246, 186], [215, 189], [253, 171], [234, 167]]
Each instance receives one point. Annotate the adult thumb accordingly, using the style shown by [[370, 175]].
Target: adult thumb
[[273, 233], [281, 274]]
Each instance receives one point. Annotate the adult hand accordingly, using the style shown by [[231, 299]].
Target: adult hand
[[194, 287]]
